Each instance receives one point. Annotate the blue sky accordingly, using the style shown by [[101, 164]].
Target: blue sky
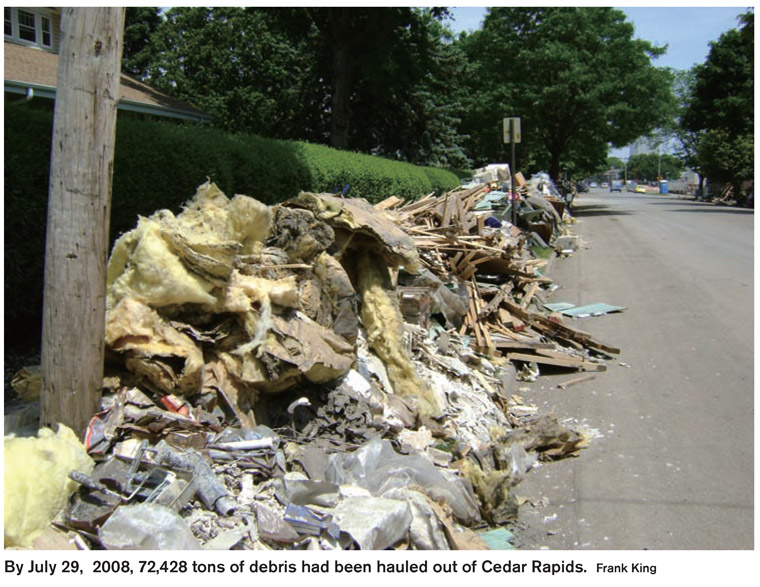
[[687, 30]]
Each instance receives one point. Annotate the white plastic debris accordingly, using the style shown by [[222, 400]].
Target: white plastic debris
[[375, 523], [147, 526]]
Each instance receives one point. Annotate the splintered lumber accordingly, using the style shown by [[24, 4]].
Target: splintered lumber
[[453, 240], [497, 299], [529, 295], [476, 303], [447, 210], [575, 381], [501, 344], [553, 329], [569, 362], [388, 203]]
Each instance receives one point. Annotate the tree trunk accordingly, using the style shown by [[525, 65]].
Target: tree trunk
[[554, 169], [76, 249], [341, 98]]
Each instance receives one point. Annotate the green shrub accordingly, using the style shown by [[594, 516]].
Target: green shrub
[[27, 169], [159, 165], [442, 180]]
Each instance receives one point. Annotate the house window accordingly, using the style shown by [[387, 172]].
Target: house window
[[27, 30], [28, 27], [47, 33]]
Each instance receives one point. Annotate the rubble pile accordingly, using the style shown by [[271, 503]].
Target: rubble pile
[[322, 374]]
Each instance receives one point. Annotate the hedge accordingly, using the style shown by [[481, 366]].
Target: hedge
[[160, 165]]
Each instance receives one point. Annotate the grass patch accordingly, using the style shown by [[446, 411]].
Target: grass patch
[[541, 252]]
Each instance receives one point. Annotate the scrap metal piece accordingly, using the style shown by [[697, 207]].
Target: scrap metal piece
[[307, 521], [210, 490]]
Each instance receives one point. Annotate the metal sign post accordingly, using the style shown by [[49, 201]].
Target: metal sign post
[[512, 135]]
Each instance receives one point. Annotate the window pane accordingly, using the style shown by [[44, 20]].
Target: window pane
[[26, 29], [47, 38], [8, 22]]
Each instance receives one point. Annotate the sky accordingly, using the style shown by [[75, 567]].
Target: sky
[[687, 30]]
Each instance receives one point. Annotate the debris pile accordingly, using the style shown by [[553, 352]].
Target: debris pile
[[467, 241], [321, 374]]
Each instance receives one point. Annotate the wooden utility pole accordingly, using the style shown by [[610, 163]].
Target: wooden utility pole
[[79, 205]]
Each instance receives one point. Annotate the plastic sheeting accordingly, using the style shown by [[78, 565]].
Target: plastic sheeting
[[378, 468]]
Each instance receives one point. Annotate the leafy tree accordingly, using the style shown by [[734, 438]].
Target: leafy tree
[[367, 79], [386, 73], [652, 166], [683, 88], [721, 108], [139, 25], [576, 77], [355, 45], [235, 64], [407, 108]]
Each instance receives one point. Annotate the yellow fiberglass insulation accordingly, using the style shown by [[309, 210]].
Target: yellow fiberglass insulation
[[37, 485], [168, 260], [492, 487], [144, 266], [243, 291], [242, 219], [385, 334]]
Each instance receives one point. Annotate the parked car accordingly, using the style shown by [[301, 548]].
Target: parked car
[[581, 187], [594, 184], [641, 189]]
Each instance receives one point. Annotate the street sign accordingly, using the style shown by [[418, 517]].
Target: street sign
[[507, 133]]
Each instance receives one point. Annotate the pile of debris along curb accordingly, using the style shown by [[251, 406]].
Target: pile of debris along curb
[[318, 374]]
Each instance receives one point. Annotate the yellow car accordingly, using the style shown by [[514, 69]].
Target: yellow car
[[640, 189]]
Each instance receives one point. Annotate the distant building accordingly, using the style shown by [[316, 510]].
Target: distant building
[[32, 41]]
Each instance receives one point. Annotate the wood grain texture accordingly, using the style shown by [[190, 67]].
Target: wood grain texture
[[79, 204]]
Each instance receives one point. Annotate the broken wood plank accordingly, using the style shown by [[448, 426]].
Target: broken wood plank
[[569, 363], [469, 272], [581, 379], [447, 211], [529, 295], [501, 343], [388, 203], [460, 211], [497, 299], [466, 260], [555, 353]]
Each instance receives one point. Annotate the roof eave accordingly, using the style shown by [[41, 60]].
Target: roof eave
[[145, 108], [40, 91]]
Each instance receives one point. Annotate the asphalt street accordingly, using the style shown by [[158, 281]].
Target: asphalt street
[[671, 462]]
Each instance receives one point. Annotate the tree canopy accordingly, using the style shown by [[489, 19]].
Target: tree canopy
[[395, 82], [366, 79], [653, 166], [721, 111], [140, 23], [234, 64], [576, 77]]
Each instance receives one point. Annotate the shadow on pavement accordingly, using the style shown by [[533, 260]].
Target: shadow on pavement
[[580, 210], [694, 206], [714, 209]]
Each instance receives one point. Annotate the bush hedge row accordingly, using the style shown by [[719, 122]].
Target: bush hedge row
[[160, 165]]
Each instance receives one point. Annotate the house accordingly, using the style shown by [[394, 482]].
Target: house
[[32, 41]]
